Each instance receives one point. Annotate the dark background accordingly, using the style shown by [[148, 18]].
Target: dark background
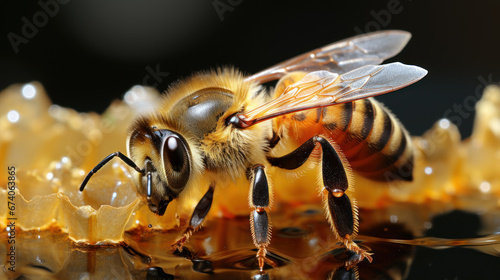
[[88, 53]]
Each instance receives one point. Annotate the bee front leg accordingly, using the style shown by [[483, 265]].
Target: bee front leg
[[200, 212], [259, 220]]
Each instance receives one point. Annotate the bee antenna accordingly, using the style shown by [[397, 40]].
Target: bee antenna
[[125, 159]]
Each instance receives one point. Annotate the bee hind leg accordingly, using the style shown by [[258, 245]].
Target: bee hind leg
[[342, 213], [259, 220], [200, 212]]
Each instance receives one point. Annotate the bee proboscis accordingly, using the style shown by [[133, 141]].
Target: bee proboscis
[[220, 125]]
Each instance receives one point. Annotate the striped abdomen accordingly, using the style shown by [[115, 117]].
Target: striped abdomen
[[374, 142]]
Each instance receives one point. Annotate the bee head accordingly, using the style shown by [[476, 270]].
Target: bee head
[[167, 165]]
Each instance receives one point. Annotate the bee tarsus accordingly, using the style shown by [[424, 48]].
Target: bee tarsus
[[200, 212]]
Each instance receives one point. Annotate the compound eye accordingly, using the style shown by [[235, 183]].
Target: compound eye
[[175, 153], [176, 159]]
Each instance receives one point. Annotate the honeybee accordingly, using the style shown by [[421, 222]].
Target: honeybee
[[217, 126]]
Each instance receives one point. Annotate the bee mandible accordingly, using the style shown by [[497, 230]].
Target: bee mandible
[[220, 125]]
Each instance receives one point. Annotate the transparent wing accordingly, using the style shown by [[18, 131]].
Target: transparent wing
[[342, 56], [323, 88]]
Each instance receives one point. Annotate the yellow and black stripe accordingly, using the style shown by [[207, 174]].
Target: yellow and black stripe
[[372, 139]]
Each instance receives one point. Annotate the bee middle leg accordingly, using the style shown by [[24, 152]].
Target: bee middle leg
[[200, 212], [342, 213]]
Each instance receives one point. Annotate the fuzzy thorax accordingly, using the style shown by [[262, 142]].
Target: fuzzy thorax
[[228, 150], [231, 151]]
